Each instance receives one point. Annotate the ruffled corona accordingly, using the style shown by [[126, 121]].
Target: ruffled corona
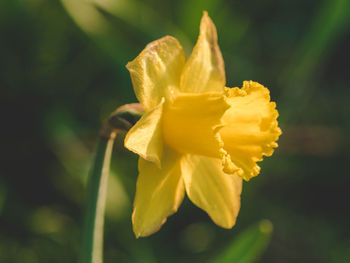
[[250, 128], [196, 137]]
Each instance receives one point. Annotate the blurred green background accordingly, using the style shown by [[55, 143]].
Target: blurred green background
[[62, 71]]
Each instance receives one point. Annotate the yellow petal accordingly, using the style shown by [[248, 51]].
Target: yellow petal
[[211, 189], [191, 123], [204, 70], [159, 193], [155, 73], [251, 128], [145, 137]]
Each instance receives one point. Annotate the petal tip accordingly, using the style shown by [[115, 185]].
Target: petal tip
[[142, 230], [205, 62], [151, 158], [206, 18], [228, 225], [208, 29]]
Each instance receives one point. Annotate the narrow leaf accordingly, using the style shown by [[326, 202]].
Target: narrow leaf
[[248, 246]]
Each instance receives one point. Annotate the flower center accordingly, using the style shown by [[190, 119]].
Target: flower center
[[191, 123]]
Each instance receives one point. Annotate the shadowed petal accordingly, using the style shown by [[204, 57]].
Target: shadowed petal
[[211, 189], [159, 193]]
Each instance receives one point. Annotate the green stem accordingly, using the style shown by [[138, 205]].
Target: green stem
[[121, 120], [92, 243]]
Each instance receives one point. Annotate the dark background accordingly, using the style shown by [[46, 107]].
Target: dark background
[[62, 71]]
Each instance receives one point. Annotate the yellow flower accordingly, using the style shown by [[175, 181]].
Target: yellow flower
[[196, 135]]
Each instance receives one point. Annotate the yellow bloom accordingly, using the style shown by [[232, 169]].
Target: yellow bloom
[[197, 136]]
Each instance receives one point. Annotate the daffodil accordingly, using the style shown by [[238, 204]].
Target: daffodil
[[197, 136]]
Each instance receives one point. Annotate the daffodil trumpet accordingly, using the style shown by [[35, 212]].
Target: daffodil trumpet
[[197, 136]]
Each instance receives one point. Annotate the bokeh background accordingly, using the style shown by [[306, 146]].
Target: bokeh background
[[62, 71]]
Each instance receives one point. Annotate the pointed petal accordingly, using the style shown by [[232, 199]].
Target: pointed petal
[[204, 70], [159, 193], [211, 189], [145, 137], [155, 73], [251, 128]]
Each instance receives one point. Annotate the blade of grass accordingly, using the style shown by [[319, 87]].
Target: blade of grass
[[248, 246], [144, 18], [329, 24], [108, 38]]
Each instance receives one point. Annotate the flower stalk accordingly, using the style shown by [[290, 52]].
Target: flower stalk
[[92, 240], [94, 216]]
